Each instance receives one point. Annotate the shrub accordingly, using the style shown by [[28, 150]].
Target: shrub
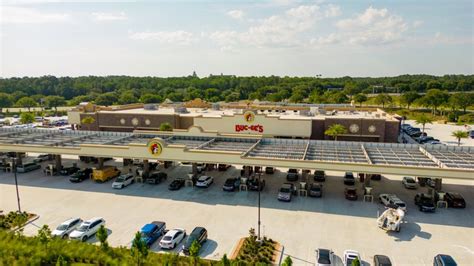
[[466, 119]]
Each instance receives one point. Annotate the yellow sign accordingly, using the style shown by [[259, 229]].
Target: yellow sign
[[249, 116], [155, 148]]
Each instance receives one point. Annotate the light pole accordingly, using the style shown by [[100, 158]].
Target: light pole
[[259, 188], [14, 161]]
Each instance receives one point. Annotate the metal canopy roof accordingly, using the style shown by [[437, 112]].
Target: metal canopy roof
[[360, 153]]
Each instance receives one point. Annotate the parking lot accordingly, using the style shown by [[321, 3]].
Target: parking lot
[[301, 225]]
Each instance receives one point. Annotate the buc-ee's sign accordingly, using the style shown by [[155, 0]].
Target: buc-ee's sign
[[249, 117]]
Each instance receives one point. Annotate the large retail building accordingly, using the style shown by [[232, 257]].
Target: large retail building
[[269, 120]]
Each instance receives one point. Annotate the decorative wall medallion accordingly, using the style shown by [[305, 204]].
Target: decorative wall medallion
[[354, 128], [147, 122], [372, 129], [135, 121], [122, 121]]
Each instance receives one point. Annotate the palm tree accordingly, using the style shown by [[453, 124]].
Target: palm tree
[[459, 134], [335, 130], [423, 119]]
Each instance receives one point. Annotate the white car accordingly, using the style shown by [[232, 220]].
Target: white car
[[409, 182], [65, 228], [123, 181], [349, 256], [392, 199], [171, 239], [87, 229], [324, 257], [204, 181]]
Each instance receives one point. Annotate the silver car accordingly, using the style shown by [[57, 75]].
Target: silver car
[[64, 229], [409, 182]]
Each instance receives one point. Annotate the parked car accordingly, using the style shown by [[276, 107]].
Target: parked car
[[455, 200], [172, 238], [65, 228], [349, 179], [198, 234], [27, 167], [376, 177], [269, 170], [254, 185], [231, 184], [105, 173], [204, 181], [176, 184], [123, 181], [444, 260], [350, 193], [156, 178], [349, 256], [319, 176], [223, 167], [81, 175], [392, 199], [409, 182], [316, 190], [324, 257], [471, 134], [292, 175], [69, 170], [425, 203], [87, 229], [286, 191], [382, 260], [42, 158], [152, 231]]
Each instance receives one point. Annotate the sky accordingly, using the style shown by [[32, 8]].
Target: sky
[[244, 38]]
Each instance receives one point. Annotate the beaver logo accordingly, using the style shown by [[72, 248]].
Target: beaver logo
[[249, 116], [155, 148]]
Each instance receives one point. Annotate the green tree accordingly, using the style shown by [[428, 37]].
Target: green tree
[[61, 261], [106, 99], [26, 102], [461, 100], [423, 119], [460, 134], [54, 101], [335, 130], [127, 97], [194, 252], [139, 249], [27, 118], [44, 235], [5, 101], [166, 127], [434, 98], [360, 98], [151, 98], [296, 97], [408, 98], [224, 261], [102, 235], [287, 262], [383, 99]]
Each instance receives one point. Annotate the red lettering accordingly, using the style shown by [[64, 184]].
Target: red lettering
[[258, 128]]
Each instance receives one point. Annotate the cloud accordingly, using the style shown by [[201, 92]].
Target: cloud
[[236, 14], [23, 15], [281, 30], [417, 23], [330, 39], [332, 11], [102, 16], [440, 38], [170, 37], [373, 27]]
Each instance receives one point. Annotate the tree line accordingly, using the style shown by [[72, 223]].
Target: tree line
[[51, 91]]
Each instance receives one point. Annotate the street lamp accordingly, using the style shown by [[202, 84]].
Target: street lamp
[[259, 187], [14, 162]]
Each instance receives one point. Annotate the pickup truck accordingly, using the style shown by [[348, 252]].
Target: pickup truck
[[152, 231]]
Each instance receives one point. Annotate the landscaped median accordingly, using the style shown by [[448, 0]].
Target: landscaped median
[[250, 250]]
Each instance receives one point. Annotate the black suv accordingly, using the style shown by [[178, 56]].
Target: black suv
[[319, 176], [156, 178], [425, 203], [253, 184], [292, 175], [455, 200], [198, 234], [81, 175], [69, 170]]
